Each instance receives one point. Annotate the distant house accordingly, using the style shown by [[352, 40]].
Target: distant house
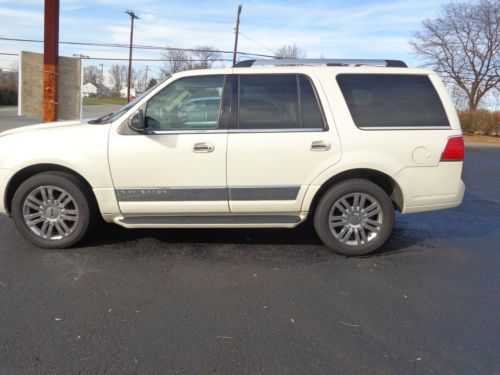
[[123, 92], [89, 89], [102, 90]]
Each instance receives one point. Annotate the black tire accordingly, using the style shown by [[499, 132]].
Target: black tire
[[333, 195], [81, 196]]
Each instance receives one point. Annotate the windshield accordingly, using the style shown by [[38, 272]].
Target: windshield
[[110, 117]]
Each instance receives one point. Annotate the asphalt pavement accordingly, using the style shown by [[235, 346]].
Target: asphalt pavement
[[262, 301]]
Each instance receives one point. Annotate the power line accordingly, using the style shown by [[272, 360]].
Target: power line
[[126, 59], [138, 46], [255, 42]]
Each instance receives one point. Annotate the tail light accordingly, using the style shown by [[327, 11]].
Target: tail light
[[454, 150]]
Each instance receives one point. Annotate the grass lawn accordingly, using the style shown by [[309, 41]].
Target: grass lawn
[[99, 101]]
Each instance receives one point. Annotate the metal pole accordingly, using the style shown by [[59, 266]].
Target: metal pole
[[81, 87], [50, 60], [146, 78], [132, 18], [101, 89], [81, 57], [237, 28]]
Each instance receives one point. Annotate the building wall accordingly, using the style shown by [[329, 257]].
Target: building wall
[[31, 86]]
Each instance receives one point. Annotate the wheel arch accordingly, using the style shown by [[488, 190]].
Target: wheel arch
[[386, 182], [23, 174]]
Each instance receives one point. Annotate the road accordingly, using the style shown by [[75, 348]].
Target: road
[[262, 301]]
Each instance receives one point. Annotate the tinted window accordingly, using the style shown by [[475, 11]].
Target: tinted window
[[311, 113], [275, 102], [392, 100], [187, 104]]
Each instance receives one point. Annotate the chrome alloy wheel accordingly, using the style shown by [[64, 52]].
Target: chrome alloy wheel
[[50, 212], [355, 219]]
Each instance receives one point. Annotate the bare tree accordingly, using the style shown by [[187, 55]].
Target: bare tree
[[140, 80], [204, 57], [290, 51], [177, 61], [463, 45], [92, 74], [9, 77], [118, 76], [9, 85]]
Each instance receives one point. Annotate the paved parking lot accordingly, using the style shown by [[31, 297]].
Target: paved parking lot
[[262, 301]]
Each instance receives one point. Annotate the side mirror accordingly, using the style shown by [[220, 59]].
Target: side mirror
[[137, 122]]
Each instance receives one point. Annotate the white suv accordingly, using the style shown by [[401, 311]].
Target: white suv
[[263, 144]]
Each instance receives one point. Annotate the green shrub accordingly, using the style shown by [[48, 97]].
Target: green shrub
[[480, 122]]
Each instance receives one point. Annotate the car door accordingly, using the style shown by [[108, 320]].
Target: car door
[[178, 166], [278, 142]]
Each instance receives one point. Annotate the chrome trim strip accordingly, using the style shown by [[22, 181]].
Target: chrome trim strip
[[200, 131], [223, 131], [290, 130], [182, 194], [405, 128], [214, 219]]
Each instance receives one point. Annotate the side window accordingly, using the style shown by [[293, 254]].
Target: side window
[[311, 112], [191, 103], [279, 101], [268, 102], [392, 100]]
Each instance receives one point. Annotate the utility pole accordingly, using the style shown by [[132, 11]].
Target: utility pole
[[146, 78], [237, 30], [81, 57], [132, 18], [50, 60], [102, 79]]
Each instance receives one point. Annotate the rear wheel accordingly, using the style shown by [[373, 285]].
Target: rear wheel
[[53, 210], [355, 217]]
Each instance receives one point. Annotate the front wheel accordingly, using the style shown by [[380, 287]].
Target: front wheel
[[53, 210], [355, 217]]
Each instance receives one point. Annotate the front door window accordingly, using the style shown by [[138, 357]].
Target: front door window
[[187, 104]]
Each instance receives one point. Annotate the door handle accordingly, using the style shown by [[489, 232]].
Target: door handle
[[203, 147], [320, 146]]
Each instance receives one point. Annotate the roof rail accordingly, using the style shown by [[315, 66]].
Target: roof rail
[[327, 62]]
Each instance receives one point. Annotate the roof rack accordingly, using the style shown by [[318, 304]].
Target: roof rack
[[326, 62]]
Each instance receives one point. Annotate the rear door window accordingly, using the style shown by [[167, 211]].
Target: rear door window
[[277, 101], [392, 100]]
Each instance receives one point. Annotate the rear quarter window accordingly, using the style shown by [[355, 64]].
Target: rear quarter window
[[392, 100]]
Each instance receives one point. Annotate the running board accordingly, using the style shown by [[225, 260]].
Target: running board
[[210, 221]]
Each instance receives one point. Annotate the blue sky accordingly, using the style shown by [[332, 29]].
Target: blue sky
[[336, 29]]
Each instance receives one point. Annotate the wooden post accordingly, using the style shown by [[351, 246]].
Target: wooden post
[[132, 18], [237, 30], [50, 60]]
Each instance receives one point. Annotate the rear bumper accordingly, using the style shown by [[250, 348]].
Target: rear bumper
[[441, 202], [431, 188]]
